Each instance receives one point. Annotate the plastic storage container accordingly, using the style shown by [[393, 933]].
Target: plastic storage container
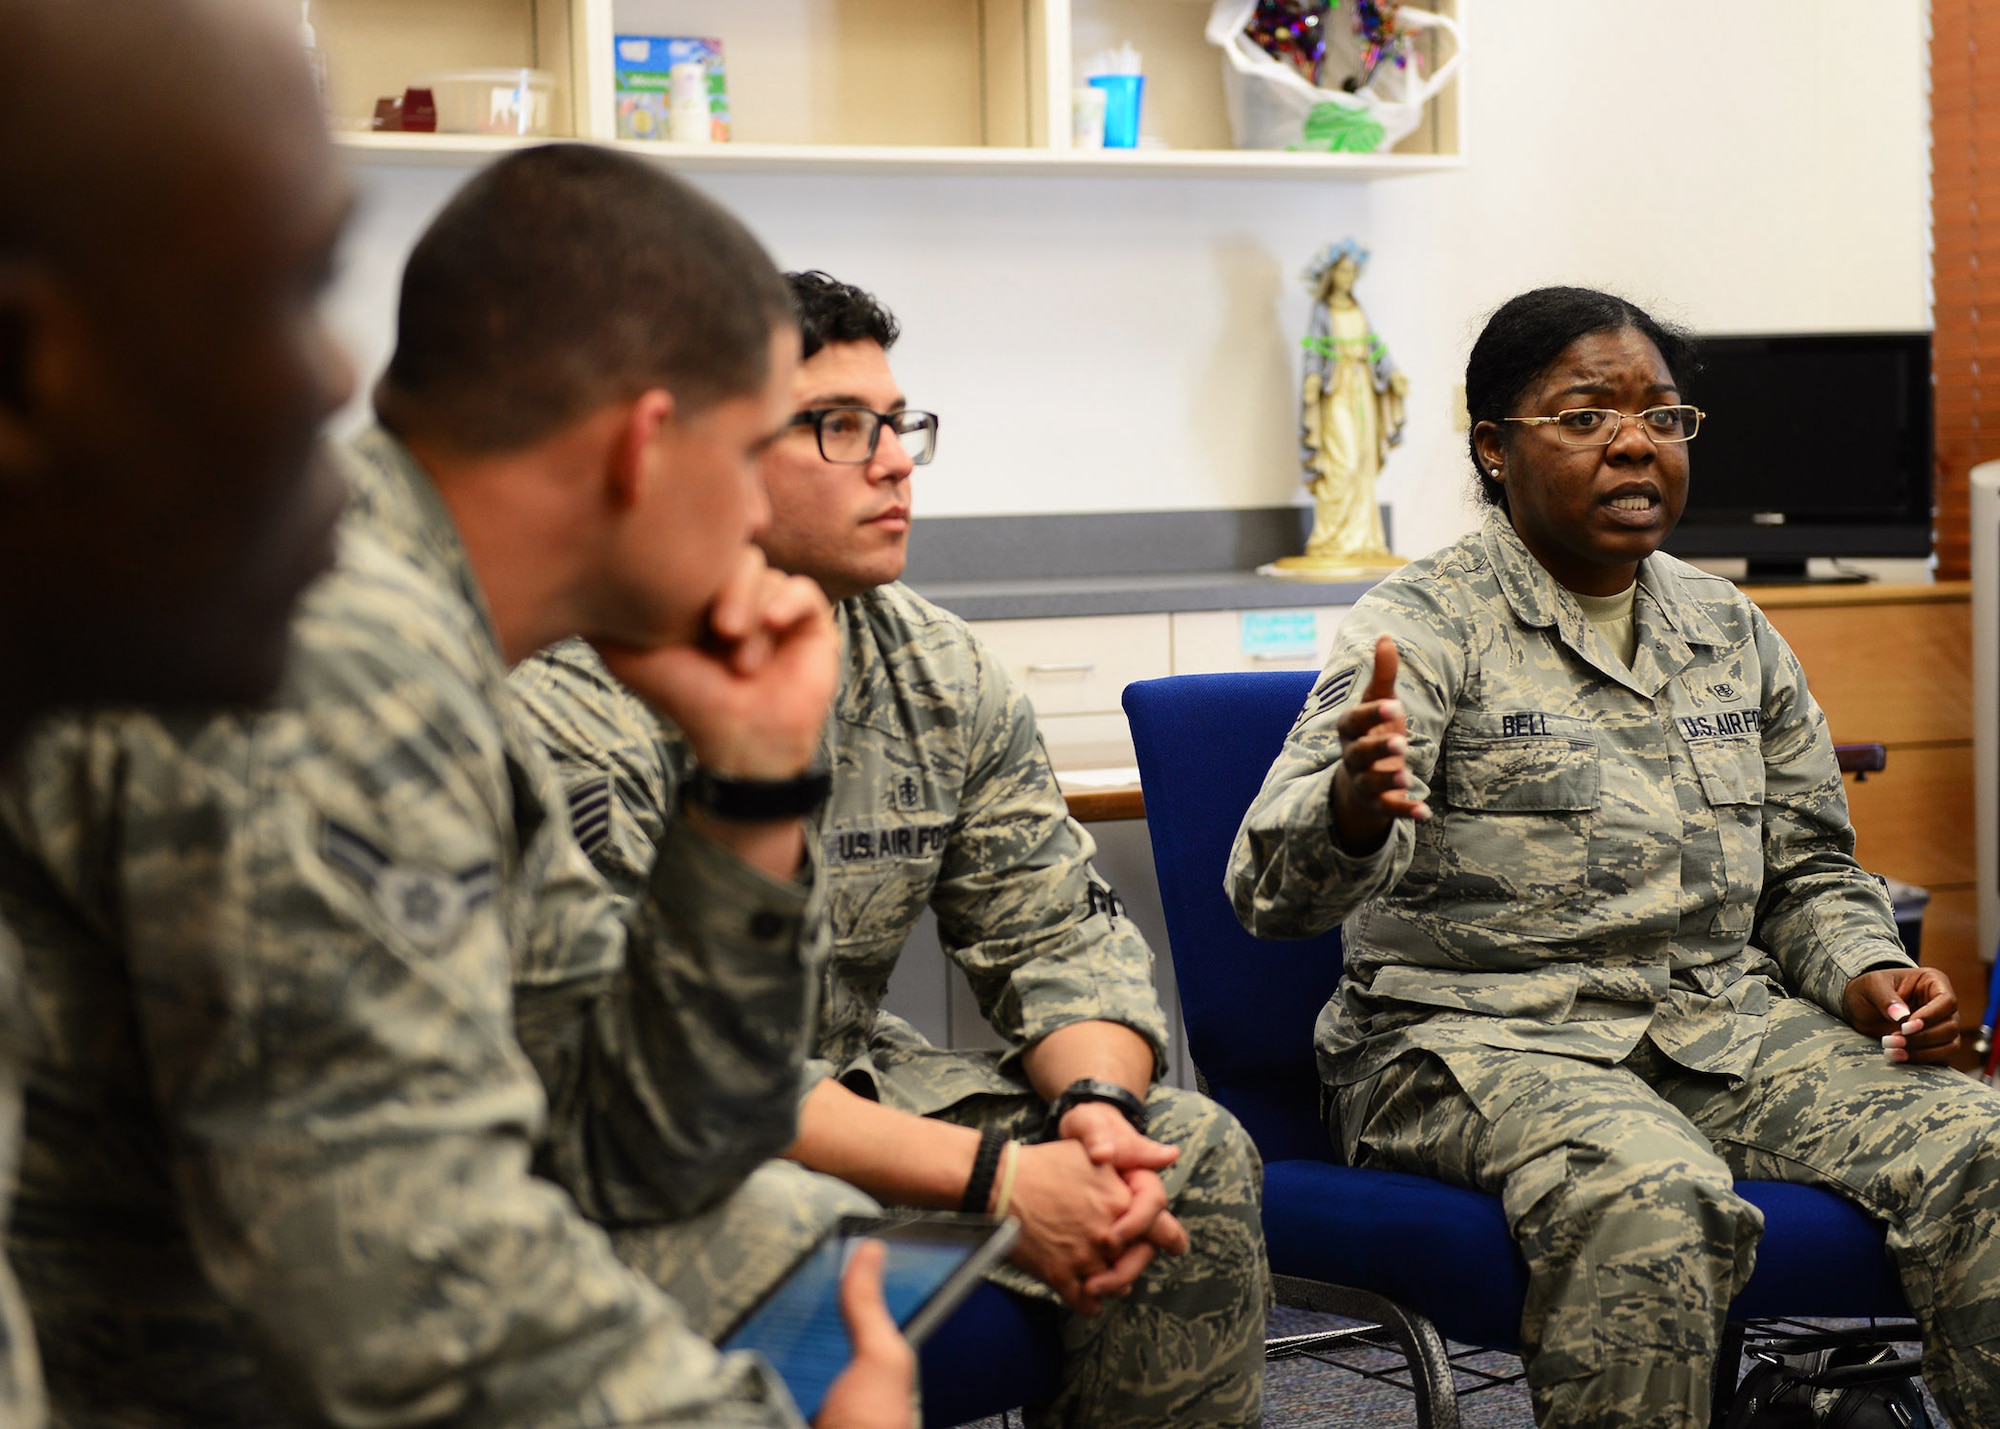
[[494, 101]]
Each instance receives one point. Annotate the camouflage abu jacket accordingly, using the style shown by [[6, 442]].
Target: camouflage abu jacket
[[942, 798], [1612, 853], [282, 970], [20, 1370]]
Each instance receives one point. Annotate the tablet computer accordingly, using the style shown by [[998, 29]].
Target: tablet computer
[[934, 1260]]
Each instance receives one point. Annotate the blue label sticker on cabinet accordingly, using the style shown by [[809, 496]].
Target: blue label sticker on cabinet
[[1280, 634]]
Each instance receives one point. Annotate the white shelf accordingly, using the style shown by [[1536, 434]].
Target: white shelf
[[469, 150], [983, 87]]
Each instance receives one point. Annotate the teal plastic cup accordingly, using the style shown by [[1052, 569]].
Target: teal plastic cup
[[1122, 93]]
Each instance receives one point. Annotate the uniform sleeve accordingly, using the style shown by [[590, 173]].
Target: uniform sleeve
[[310, 905], [1043, 941], [674, 1070], [1823, 918], [21, 1405], [1288, 877], [619, 776]]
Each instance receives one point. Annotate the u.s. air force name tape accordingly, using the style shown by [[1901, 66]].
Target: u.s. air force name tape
[[895, 841]]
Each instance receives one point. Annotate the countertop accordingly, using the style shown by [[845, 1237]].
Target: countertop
[[1048, 596]]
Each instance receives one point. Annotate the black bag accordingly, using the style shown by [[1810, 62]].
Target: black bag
[[1828, 1382]]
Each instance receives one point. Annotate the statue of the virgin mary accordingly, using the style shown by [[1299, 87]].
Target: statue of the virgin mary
[[1351, 414]]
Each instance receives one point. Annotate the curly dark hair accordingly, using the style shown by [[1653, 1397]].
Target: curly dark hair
[[832, 311], [1525, 336]]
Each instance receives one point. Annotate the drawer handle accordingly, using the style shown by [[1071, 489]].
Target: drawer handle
[[1078, 667]]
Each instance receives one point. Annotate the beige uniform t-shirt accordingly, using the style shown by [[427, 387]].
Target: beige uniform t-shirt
[[1612, 615]]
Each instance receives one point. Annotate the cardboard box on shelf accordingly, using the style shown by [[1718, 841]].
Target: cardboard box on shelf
[[643, 74]]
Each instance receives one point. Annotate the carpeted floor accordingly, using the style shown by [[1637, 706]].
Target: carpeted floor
[[1307, 1394]]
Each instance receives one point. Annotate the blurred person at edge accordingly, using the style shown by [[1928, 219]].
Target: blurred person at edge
[[163, 377], [328, 1002]]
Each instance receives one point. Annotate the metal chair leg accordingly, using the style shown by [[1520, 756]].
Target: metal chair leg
[[1728, 1369], [1423, 1348]]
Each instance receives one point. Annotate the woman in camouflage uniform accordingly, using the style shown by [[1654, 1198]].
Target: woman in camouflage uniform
[[1607, 944]]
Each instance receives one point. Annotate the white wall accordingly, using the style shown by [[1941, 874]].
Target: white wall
[[1129, 344]]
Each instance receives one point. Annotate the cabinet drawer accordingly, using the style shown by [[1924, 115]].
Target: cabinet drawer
[[1862, 662], [1213, 641], [1081, 664], [1914, 821]]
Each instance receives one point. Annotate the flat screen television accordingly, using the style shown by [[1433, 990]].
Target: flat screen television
[[1813, 444]]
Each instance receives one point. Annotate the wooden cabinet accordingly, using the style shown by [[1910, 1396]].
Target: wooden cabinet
[[1913, 821], [1889, 664], [1892, 665], [869, 85]]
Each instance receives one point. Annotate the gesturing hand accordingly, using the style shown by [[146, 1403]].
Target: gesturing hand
[[877, 1390], [753, 696], [1373, 772], [1913, 1010]]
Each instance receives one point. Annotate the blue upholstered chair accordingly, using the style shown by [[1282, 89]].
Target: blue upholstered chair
[[1418, 1257], [997, 1352]]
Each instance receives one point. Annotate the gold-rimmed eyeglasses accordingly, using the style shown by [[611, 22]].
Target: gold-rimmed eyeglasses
[[1598, 426]]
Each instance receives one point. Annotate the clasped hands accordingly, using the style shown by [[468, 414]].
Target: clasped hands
[[1092, 1208]]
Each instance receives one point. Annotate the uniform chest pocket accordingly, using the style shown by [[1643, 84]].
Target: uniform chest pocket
[[1519, 791], [879, 881], [1731, 770], [872, 904], [1491, 765], [1732, 782]]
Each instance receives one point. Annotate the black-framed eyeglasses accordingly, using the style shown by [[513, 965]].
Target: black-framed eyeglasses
[[849, 435], [1598, 426]]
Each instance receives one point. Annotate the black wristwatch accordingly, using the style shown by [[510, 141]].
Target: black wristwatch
[[757, 800], [1091, 1089]]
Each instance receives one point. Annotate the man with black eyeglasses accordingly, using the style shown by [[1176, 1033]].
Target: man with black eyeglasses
[[1139, 1204]]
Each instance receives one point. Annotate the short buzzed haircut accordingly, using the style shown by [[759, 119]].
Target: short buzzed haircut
[[832, 311], [566, 277]]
